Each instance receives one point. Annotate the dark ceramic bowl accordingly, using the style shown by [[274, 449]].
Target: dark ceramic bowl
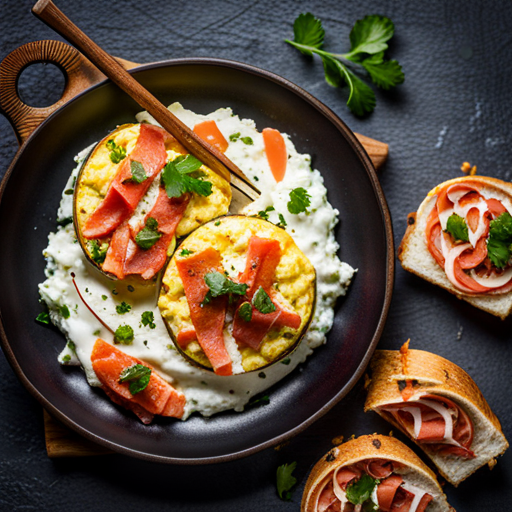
[[29, 200]]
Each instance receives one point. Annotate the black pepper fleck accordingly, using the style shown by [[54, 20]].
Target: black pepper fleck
[[376, 443]]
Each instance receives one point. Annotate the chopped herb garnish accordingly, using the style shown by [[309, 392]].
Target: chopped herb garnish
[[71, 346], [258, 400], [219, 284], [234, 137], [286, 361], [361, 490], [117, 153], [69, 191], [499, 242], [177, 180], [97, 332], [456, 226], [148, 318], [123, 308], [247, 140], [138, 376], [114, 292], [43, 318], [148, 235], [368, 42], [64, 311], [299, 201], [282, 222], [123, 335], [245, 312], [263, 214], [138, 172], [217, 223], [285, 480], [104, 297], [66, 358], [262, 302], [186, 252], [262, 375], [131, 288]]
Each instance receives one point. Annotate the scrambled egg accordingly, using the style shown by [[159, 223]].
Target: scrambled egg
[[98, 172], [294, 286]]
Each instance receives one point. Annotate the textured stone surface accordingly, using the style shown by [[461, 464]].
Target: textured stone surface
[[454, 106]]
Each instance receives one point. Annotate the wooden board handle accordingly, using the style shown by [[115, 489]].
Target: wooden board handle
[[80, 74]]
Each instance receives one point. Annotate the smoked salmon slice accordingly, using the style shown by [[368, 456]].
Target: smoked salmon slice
[[386, 491], [159, 397], [123, 196], [209, 132], [208, 319], [263, 256]]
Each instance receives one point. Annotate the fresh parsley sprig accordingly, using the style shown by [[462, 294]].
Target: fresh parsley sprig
[[456, 226], [499, 243], [117, 153], [177, 180], [219, 284], [368, 42], [361, 490], [262, 302], [299, 201], [138, 376], [285, 480], [148, 235]]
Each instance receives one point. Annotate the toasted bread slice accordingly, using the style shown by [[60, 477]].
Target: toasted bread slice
[[367, 447], [415, 257], [434, 375]]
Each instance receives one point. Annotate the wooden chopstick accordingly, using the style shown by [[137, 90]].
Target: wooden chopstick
[[48, 12]]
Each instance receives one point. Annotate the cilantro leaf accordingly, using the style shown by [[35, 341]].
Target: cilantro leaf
[[245, 312], [308, 31], [98, 252], [186, 252], [361, 490], [117, 153], [43, 318], [282, 222], [456, 226], [176, 179], [124, 335], [138, 172], [299, 201], [219, 284], [148, 318], [499, 242], [138, 376], [234, 137], [262, 302], [263, 214], [148, 235], [64, 311], [368, 39], [123, 308], [247, 141], [370, 35], [285, 480]]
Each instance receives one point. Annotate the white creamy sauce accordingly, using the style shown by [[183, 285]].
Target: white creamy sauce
[[205, 392]]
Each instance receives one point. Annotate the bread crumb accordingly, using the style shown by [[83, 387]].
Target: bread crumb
[[473, 171], [492, 463], [337, 440], [403, 356], [465, 167], [367, 381], [390, 433]]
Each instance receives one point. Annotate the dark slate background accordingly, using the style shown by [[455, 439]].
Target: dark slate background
[[454, 106]]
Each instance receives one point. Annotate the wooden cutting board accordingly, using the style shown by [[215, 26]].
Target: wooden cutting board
[[80, 75]]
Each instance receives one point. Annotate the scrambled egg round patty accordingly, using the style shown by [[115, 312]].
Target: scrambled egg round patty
[[98, 171], [294, 287]]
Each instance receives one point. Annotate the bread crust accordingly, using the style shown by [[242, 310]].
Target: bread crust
[[410, 250], [372, 446], [431, 374]]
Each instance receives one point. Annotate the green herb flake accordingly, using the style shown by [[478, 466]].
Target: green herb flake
[[104, 297], [285, 480], [117, 153], [131, 288], [262, 375], [263, 214], [124, 335], [361, 490], [499, 242], [69, 191], [219, 284], [247, 140], [299, 201], [456, 226], [43, 318], [66, 358], [262, 302], [369, 40], [286, 361], [234, 137], [138, 172], [148, 319], [177, 180], [97, 332], [71, 345], [217, 223], [64, 311], [245, 312], [114, 292], [148, 235], [123, 308], [282, 222], [138, 376], [186, 252]]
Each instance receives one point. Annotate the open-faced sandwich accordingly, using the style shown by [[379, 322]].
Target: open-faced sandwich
[[237, 295], [461, 239], [136, 192], [374, 472], [439, 407]]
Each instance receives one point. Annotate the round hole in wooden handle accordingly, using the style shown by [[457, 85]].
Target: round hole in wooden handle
[[78, 71]]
